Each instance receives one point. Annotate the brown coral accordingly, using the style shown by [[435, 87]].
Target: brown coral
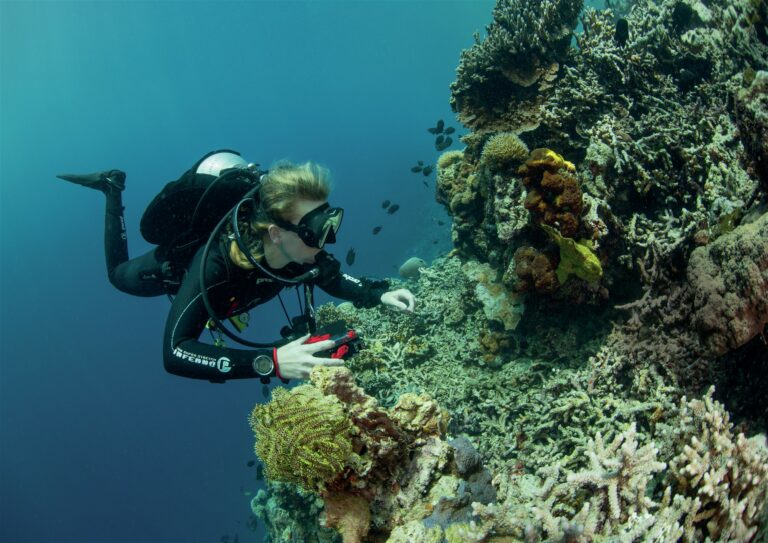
[[535, 270]]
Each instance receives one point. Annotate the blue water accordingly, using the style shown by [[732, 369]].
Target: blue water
[[97, 442]]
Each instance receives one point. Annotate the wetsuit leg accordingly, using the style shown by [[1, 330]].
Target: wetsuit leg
[[141, 276]]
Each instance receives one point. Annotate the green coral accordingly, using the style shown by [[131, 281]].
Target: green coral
[[576, 258], [302, 436]]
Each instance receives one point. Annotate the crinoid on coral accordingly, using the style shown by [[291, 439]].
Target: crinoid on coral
[[302, 436], [398, 468]]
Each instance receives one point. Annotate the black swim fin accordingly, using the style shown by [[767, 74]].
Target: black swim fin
[[106, 181]]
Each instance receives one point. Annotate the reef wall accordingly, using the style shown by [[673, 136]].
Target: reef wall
[[610, 264]]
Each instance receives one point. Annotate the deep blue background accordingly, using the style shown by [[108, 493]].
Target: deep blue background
[[97, 442]]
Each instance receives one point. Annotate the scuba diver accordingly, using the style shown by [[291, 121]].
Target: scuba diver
[[230, 237]]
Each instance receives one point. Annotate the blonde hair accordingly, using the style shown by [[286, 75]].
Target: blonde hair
[[281, 189]]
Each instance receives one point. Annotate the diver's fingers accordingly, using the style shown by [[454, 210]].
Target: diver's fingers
[[320, 346]]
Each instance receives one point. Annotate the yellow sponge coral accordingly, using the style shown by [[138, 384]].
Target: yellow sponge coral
[[576, 258], [302, 436]]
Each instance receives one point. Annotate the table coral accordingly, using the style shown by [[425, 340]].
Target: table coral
[[502, 74]]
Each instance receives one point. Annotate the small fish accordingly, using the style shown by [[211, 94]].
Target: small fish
[[434, 242], [420, 162], [439, 140], [385, 204], [621, 33], [376, 230], [350, 257], [251, 463], [446, 143], [393, 208], [449, 130], [438, 129], [425, 184], [416, 169], [426, 171], [440, 223]]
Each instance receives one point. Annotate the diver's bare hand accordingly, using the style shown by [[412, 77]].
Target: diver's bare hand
[[296, 359]]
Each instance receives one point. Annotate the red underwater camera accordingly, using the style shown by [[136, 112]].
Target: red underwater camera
[[346, 342]]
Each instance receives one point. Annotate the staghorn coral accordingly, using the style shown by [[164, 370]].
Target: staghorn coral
[[751, 109], [302, 437], [619, 474], [725, 475]]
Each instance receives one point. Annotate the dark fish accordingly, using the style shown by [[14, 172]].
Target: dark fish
[[434, 242], [439, 140], [427, 170], [416, 169], [433, 130], [425, 184], [259, 472], [393, 208], [447, 143], [449, 130], [350, 257], [621, 35], [682, 16], [385, 204], [440, 125], [440, 223], [376, 230], [251, 463], [420, 162]]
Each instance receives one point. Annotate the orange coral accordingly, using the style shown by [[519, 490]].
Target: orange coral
[[554, 196]]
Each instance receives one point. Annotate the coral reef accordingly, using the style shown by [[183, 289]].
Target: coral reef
[[637, 231], [396, 458]]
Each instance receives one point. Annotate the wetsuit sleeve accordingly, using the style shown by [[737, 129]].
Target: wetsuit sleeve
[[363, 292], [183, 354]]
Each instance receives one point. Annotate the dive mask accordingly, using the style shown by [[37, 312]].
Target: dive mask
[[317, 227]]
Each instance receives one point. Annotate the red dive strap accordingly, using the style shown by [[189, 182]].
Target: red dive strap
[[274, 360]]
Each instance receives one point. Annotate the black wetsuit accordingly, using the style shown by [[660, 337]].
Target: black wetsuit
[[232, 290]]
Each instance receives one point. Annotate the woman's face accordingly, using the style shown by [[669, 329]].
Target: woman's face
[[291, 245]]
